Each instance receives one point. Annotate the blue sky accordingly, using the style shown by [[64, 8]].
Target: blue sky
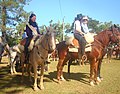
[[102, 10]]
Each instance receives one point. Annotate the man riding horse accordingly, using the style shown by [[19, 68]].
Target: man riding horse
[[80, 29]]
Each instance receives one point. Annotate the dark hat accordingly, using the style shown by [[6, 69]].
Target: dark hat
[[79, 16], [32, 15]]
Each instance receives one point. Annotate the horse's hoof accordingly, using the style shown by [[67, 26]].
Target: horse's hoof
[[98, 79], [15, 72], [92, 83], [41, 87], [36, 88], [101, 78], [12, 73], [97, 83], [62, 78]]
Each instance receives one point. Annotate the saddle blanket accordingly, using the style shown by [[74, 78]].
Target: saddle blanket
[[88, 49]]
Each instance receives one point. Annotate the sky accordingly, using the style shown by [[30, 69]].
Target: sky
[[57, 10]]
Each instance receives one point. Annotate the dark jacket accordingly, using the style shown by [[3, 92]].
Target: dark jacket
[[29, 32]]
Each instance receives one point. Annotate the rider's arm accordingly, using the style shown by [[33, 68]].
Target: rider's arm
[[77, 27]]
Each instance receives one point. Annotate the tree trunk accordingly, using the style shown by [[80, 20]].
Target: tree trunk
[[3, 29]]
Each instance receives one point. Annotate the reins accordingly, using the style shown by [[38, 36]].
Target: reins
[[100, 44]]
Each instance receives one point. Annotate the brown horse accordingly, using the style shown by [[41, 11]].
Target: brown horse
[[43, 45], [94, 56]]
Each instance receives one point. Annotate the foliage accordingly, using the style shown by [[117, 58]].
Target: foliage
[[59, 29], [13, 16], [13, 19]]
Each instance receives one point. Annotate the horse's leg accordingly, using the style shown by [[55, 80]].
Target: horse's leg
[[64, 63], [59, 68], [11, 67], [96, 73], [69, 63], [99, 78], [22, 63], [35, 75], [0, 58], [14, 62], [41, 77], [13, 70], [9, 59], [92, 68], [29, 72]]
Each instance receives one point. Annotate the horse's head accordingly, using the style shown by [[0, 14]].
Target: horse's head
[[50, 36], [4, 49], [115, 34], [1, 49]]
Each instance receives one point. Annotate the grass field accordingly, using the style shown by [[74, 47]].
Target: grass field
[[76, 83]]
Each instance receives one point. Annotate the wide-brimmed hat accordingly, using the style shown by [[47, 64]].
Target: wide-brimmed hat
[[85, 18]]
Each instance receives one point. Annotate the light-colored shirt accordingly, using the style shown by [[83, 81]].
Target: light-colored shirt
[[85, 28], [77, 27]]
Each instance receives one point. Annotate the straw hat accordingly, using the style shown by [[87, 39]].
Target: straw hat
[[85, 18]]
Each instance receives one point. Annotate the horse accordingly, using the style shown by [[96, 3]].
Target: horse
[[54, 55], [116, 51], [94, 56], [15, 59], [4, 50], [2, 47], [43, 45]]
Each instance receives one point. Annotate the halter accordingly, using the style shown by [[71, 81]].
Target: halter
[[44, 47], [47, 44], [113, 34], [99, 43]]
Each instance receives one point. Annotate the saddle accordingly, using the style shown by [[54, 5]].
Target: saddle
[[74, 45], [21, 45], [22, 42]]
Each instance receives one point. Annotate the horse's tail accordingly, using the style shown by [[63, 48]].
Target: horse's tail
[[62, 46]]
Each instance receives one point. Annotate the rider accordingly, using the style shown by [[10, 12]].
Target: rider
[[31, 30], [80, 28]]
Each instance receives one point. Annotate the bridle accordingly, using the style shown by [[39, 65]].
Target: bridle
[[113, 34], [48, 44], [44, 46]]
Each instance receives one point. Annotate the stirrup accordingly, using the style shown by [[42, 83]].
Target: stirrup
[[84, 57]]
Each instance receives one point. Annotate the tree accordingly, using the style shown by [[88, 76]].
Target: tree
[[12, 14]]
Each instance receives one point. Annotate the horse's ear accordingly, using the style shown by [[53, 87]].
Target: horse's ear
[[115, 26], [112, 28], [46, 28]]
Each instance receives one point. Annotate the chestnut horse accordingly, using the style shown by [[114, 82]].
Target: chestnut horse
[[94, 56]]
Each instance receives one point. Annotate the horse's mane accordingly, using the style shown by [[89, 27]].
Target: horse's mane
[[38, 39], [102, 36]]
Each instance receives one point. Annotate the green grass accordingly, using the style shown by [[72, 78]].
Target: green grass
[[76, 83]]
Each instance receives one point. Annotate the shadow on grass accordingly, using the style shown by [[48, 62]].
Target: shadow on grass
[[11, 84], [82, 77]]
